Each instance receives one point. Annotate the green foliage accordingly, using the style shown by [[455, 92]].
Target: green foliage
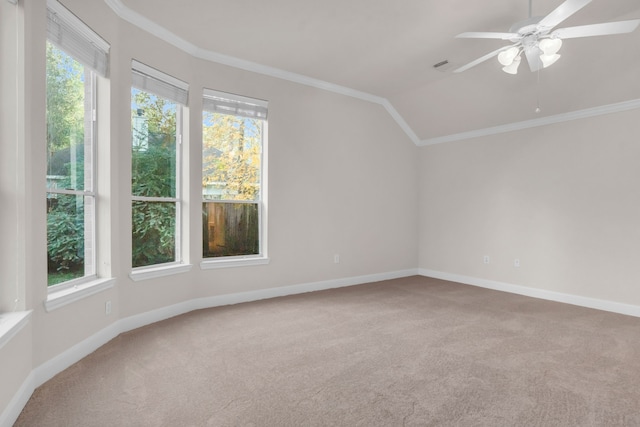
[[153, 222], [160, 113], [65, 132], [65, 234], [153, 174], [153, 233], [65, 99], [153, 171]]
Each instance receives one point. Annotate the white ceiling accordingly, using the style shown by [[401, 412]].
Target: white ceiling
[[388, 48]]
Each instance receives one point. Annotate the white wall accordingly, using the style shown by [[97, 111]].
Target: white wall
[[342, 179], [564, 199], [12, 154]]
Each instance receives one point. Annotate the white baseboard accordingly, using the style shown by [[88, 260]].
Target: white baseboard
[[261, 294], [614, 307], [143, 319], [59, 363], [52, 367], [19, 400]]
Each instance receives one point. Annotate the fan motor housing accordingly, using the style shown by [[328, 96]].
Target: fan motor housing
[[528, 26]]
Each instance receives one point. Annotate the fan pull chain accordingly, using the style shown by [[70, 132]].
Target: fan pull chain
[[537, 110]]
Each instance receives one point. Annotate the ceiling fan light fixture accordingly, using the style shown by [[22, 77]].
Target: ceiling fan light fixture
[[550, 46], [534, 38], [513, 67], [548, 60], [507, 56]]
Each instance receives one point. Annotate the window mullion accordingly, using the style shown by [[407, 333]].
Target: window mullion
[[154, 199]]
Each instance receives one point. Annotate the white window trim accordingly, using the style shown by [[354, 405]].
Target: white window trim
[[148, 74], [74, 293], [145, 273], [230, 262], [11, 324], [91, 261], [262, 258]]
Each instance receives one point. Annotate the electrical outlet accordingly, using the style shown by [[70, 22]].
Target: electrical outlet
[[107, 308], [516, 262], [486, 259], [336, 258]]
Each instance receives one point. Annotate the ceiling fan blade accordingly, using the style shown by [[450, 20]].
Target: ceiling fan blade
[[533, 58], [604, 29], [481, 60], [485, 35], [562, 12]]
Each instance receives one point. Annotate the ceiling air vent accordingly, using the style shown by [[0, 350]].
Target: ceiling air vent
[[443, 65]]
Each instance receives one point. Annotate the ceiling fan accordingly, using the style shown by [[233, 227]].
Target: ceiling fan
[[534, 37]]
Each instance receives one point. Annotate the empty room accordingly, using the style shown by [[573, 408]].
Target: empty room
[[295, 213]]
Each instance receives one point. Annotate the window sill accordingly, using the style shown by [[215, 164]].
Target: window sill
[[153, 272], [66, 296], [234, 262], [11, 323]]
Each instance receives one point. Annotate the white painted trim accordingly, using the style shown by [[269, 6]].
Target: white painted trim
[[68, 295], [62, 361], [401, 122], [211, 263], [162, 33], [542, 121], [155, 272], [598, 304], [19, 400], [11, 324], [163, 313], [57, 364], [228, 299], [52, 367]]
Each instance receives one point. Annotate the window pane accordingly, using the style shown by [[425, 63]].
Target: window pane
[[154, 231], [66, 121], [231, 157], [230, 229], [70, 217], [66, 237], [153, 145]]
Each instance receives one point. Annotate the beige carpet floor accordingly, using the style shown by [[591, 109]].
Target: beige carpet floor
[[407, 352]]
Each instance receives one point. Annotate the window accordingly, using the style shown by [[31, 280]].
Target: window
[[233, 135], [75, 57], [156, 122]]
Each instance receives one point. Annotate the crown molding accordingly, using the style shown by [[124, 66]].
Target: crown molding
[[542, 121], [162, 33]]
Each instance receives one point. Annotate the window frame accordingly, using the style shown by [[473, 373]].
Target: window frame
[[72, 36], [90, 262], [175, 91], [260, 111], [91, 163]]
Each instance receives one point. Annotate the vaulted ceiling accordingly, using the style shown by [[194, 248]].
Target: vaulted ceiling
[[388, 48]]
